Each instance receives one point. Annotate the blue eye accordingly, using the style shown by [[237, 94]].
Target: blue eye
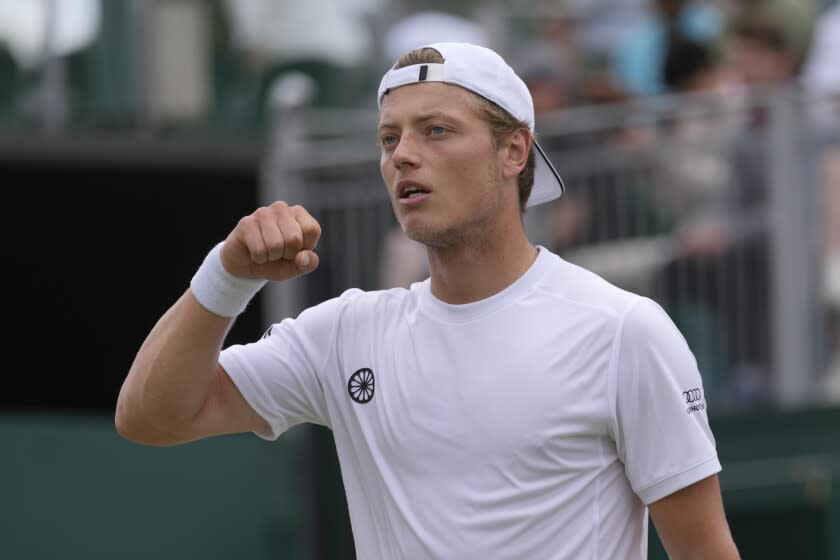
[[388, 140], [437, 130]]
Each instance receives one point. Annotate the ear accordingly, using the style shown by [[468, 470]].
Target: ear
[[515, 153]]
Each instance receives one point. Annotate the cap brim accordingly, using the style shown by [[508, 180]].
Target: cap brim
[[547, 182]]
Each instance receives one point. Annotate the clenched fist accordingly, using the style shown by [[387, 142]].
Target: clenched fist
[[276, 242]]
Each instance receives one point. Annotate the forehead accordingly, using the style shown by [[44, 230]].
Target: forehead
[[427, 97]]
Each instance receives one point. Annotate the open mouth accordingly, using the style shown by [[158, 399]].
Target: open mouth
[[412, 192]]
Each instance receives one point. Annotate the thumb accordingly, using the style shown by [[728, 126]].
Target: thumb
[[306, 261]]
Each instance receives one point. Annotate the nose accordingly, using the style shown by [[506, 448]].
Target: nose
[[406, 152]]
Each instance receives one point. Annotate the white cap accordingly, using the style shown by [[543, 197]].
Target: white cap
[[484, 72]]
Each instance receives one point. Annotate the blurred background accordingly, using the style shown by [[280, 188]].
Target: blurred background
[[699, 141]]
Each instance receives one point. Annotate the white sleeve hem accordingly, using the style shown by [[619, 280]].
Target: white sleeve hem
[[685, 478], [239, 376]]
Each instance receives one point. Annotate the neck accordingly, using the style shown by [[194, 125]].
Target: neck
[[479, 268]]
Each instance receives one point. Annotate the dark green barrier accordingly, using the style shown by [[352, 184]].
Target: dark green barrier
[[72, 488], [780, 483]]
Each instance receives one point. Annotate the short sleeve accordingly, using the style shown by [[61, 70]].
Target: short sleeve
[[280, 374], [661, 426]]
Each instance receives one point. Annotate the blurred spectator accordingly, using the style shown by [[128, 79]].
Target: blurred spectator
[[553, 88], [694, 157], [690, 66], [549, 75], [795, 19], [554, 30], [424, 27], [691, 155], [762, 58], [33, 34], [760, 52], [722, 254], [283, 31], [607, 23], [694, 173], [573, 37], [259, 40], [27, 29], [821, 70], [637, 62]]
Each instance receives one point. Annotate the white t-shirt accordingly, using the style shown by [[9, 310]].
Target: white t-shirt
[[536, 423]]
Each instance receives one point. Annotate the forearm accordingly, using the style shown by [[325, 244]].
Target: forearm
[[172, 373], [692, 525], [705, 551], [175, 390]]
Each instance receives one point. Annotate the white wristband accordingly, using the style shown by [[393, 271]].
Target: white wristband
[[220, 291]]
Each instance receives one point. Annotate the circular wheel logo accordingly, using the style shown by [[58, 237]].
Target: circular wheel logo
[[361, 385]]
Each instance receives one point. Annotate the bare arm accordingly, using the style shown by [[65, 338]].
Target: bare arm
[[692, 525], [176, 391]]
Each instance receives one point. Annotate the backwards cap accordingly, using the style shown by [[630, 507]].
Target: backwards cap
[[484, 72]]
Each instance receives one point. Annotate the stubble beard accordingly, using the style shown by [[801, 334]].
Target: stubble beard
[[465, 233], [437, 238], [470, 231]]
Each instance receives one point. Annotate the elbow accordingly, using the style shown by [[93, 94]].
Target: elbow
[[127, 418], [127, 426], [132, 428]]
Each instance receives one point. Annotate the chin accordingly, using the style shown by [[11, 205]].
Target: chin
[[433, 237]]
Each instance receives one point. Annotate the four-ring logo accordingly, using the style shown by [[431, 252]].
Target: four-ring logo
[[692, 395], [361, 385]]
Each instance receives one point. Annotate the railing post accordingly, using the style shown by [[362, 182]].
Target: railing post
[[53, 88], [287, 101], [792, 260]]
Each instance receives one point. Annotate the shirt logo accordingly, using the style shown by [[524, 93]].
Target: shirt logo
[[692, 395], [361, 385], [692, 399]]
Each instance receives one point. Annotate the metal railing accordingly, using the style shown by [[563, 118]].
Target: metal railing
[[709, 204]]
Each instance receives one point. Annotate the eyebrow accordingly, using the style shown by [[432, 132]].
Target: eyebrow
[[424, 117]]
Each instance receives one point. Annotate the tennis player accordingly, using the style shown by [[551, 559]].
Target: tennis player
[[511, 406]]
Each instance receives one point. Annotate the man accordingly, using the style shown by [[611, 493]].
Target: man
[[512, 406]]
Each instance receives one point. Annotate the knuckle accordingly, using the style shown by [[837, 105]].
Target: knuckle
[[315, 228], [258, 254], [294, 240], [275, 245], [262, 213], [310, 225], [301, 214]]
